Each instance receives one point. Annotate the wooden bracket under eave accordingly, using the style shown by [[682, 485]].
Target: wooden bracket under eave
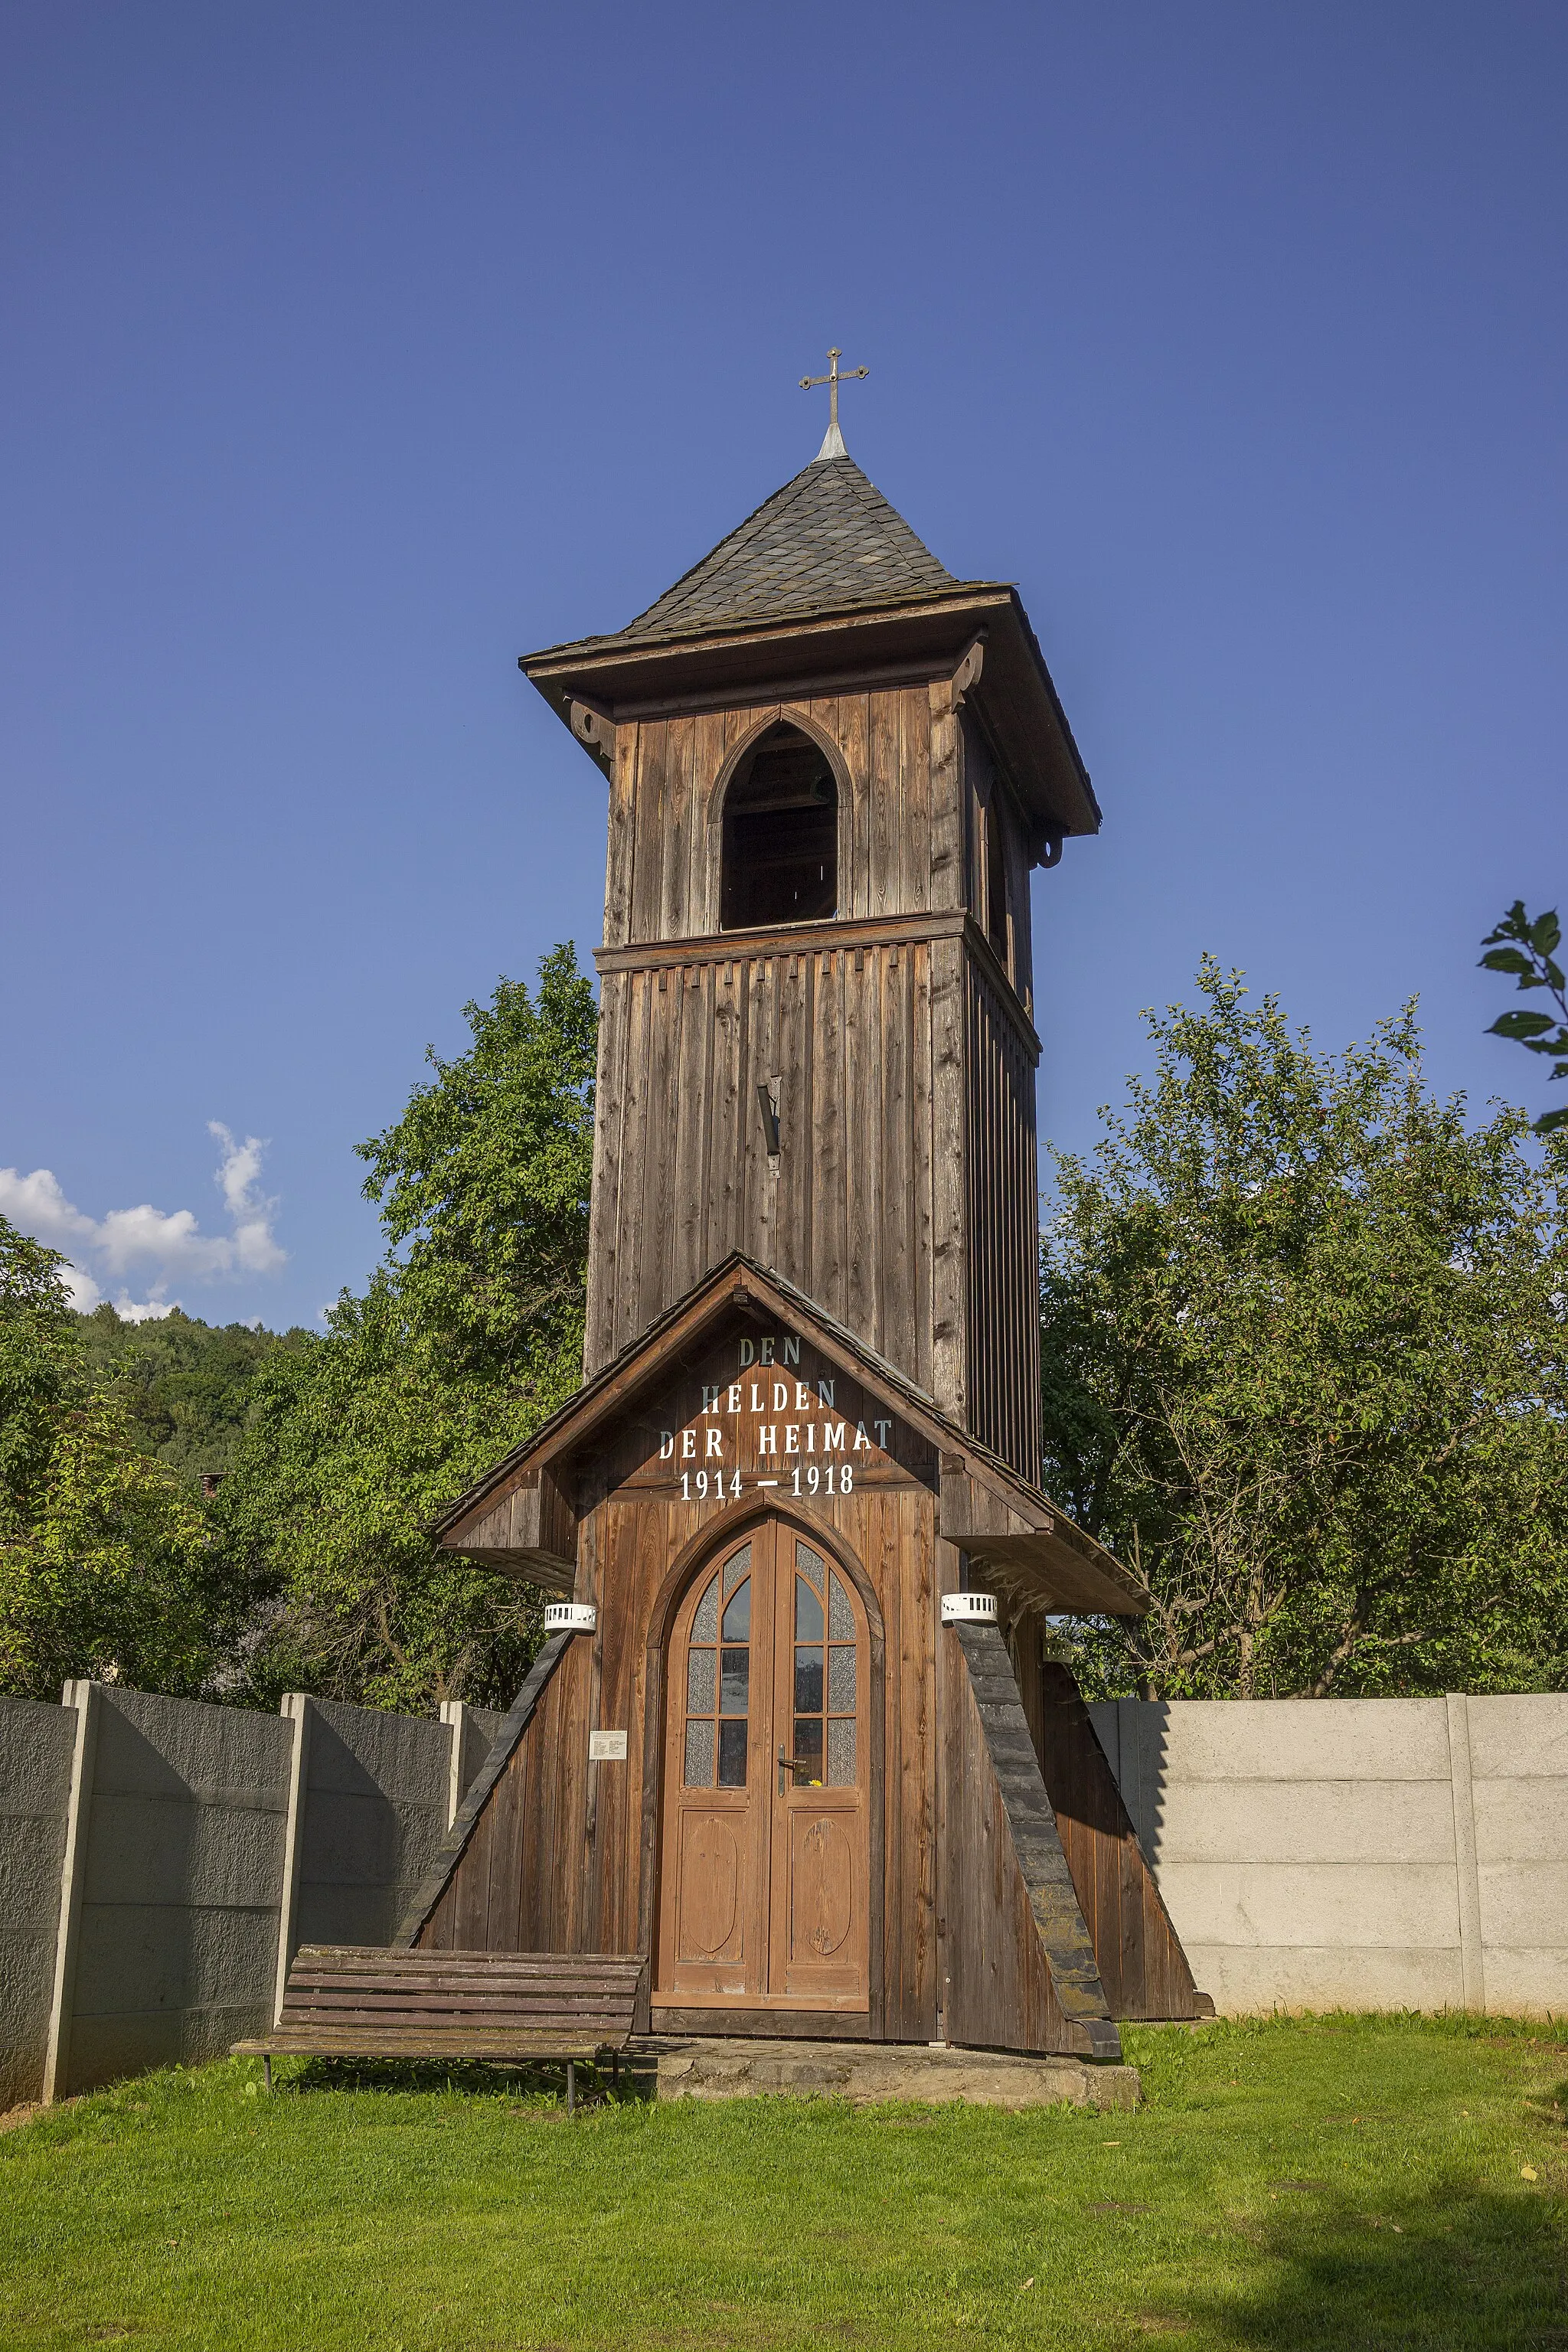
[[967, 674], [596, 733]]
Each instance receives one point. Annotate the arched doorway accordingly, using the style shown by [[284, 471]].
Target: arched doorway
[[765, 1893]]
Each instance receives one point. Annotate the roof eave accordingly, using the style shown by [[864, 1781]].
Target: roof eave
[[625, 680], [1102, 1584]]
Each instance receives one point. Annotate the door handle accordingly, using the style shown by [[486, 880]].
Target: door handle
[[788, 1764]]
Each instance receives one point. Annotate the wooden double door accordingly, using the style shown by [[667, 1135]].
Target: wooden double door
[[765, 1855]]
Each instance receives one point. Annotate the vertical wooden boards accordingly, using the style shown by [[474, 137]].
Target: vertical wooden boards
[[471, 1895], [1020, 1964], [1002, 1227], [947, 790], [904, 1197], [605, 1207], [621, 839], [558, 1852], [950, 1179], [1142, 1963]]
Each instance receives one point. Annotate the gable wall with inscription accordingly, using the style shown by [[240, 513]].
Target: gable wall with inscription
[[566, 1856]]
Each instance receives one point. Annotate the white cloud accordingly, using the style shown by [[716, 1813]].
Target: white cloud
[[168, 1244]]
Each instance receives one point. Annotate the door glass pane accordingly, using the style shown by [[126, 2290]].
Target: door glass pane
[[699, 1755], [732, 1680], [738, 1614], [807, 1680], [699, 1681], [840, 1773], [840, 1616], [809, 1563], [841, 1679], [807, 1613], [731, 1753], [705, 1625], [736, 1567], [807, 1748]]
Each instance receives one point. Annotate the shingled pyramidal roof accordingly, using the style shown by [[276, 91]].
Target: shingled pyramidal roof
[[828, 542]]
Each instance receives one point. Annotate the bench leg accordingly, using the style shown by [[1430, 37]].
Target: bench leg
[[615, 2069], [571, 2085], [267, 2069]]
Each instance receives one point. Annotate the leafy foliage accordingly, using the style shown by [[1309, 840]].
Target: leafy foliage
[[187, 1386], [106, 1568], [1305, 1370], [469, 1335], [1528, 949]]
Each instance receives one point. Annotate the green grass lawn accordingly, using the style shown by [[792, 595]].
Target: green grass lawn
[[1344, 2181]]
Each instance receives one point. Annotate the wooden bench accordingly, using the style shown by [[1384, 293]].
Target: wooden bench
[[354, 2001]]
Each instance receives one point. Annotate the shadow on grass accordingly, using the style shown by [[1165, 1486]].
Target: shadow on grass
[[1459, 2269], [470, 2078]]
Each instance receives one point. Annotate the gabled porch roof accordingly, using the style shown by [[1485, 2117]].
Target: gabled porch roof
[[521, 1516]]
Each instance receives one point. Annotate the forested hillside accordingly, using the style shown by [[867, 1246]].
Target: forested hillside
[[187, 1387]]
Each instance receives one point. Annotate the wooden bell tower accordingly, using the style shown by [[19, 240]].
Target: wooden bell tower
[[832, 766], [788, 1746]]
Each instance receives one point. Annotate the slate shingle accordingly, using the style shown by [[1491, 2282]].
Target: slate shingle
[[828, 542]]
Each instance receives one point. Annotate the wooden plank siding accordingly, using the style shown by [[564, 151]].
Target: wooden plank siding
[[562, 1853], [902, 1200], [1003, 1381], [1019, 1964], [1142, 1965]]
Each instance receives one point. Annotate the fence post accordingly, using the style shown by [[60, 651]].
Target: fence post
[[452, 1716], [84, 1696], [1472, 1963], [296, 1710]]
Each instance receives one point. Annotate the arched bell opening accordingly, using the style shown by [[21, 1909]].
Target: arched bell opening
[[780, 855]]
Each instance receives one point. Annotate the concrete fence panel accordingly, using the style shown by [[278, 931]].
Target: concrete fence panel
[[38, 1745], [168, 1906], [1361, 1853], [1519, 1778], [377, 1788]]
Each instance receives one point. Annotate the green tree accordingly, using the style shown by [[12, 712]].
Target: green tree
[[1305, 1370], [1528, 949], [106, 1568], [469, 1335], [187, 1387]]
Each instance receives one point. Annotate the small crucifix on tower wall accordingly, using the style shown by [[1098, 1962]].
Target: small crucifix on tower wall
[[833, 440]]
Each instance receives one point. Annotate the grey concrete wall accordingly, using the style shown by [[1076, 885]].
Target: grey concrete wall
[[159, 1859], [36, 1744], [1362, 1853], [377, 1793], [170, 1922]]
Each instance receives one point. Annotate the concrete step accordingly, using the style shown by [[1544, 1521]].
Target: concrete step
[[744, 2067]]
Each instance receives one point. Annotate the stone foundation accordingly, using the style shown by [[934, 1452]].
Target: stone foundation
[[864, 2072]]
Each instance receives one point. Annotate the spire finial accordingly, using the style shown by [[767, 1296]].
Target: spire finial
[[832, 440]]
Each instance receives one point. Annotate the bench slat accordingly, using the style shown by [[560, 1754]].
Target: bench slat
[[371, 1997], [425, 2045], [361, 2000], [343, 1958], [534, 2019]]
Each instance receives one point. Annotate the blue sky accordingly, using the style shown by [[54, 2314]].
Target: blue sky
[[353, 350]]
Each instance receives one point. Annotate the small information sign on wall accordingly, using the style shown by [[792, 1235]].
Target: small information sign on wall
[[606, 1747]]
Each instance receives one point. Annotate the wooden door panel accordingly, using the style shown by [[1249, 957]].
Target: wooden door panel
[[764, 1898], [822, 1888], [825, 1957], [710, 1878], [820, 1943], [712, 1938]]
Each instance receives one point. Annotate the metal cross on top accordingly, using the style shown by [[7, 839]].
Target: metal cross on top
[[833, 440]]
